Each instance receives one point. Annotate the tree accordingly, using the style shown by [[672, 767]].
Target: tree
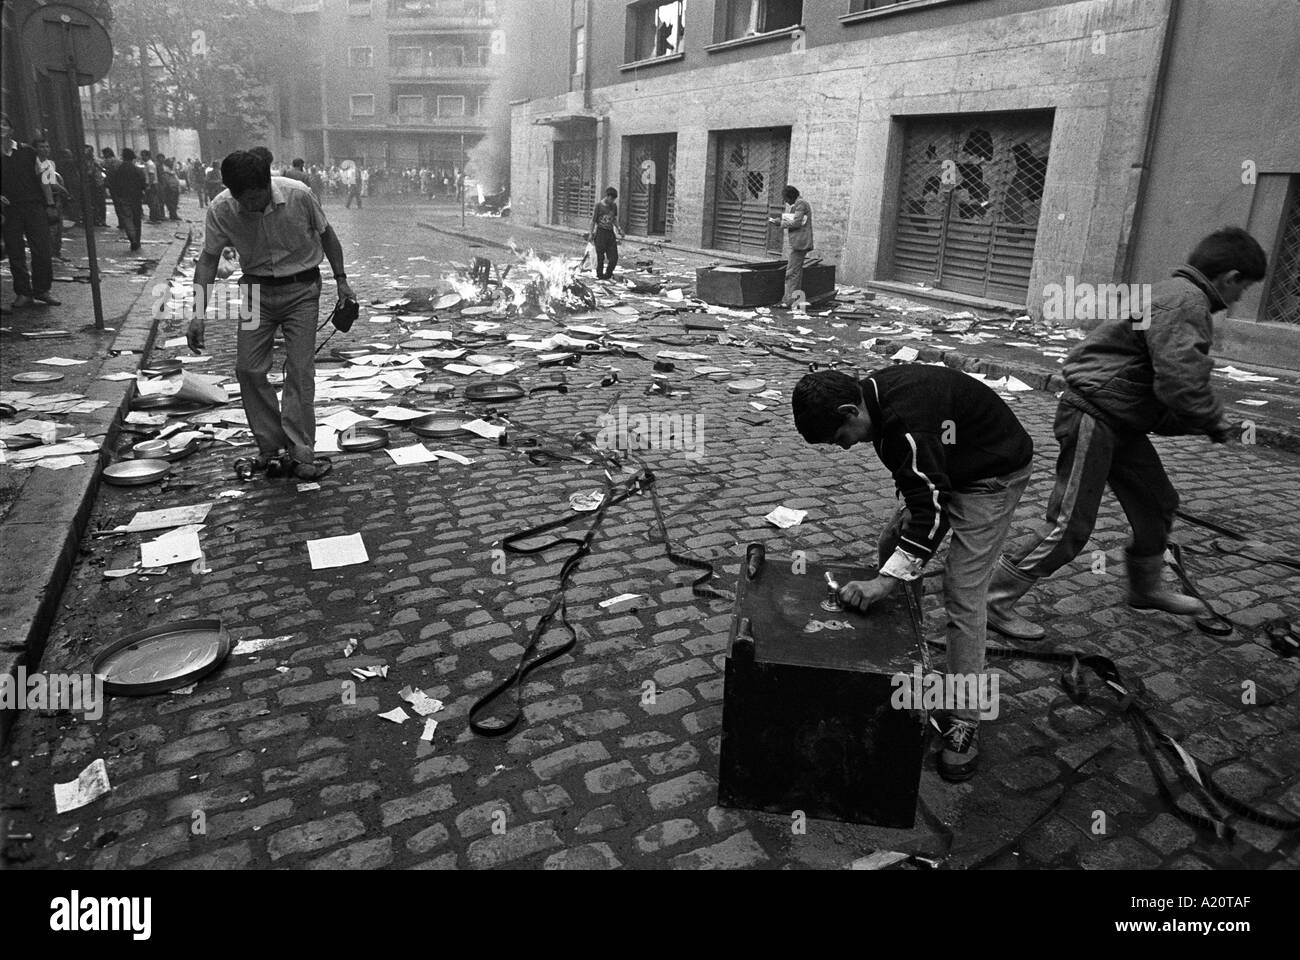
[[211, 65]]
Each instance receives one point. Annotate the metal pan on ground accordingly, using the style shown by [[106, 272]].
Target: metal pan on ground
[[440, 390], [7, 411], [36, 376], [136, 473], [349, 353], [477, 311], [448, 301], [163, 658], [749, 385], [358, 439], [494, 390], [162, 368], [438, 426], [170, 404]]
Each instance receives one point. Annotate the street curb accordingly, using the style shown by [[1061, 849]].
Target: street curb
[[41, 535], [1049, 381]]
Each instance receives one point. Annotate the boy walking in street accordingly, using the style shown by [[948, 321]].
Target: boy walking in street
[[605, 234], [960, 461], [1129, 378], [127, 186]]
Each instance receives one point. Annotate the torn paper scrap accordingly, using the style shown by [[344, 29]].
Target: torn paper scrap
[[449, 455], [906, 354], [483, 429], [415, 453], [379, 672], [623, 601], [254, 646], [430, 725], [784, 517], [420, 702], [397, 715], [879, 860], [90, 785], [332, 552]]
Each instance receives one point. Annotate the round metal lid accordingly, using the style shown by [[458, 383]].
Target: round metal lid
[[746, 386], [135, 473], [349, 353], [36, 376], [476, 311], [448, 301], [438, 425], [356, 439], [171, 404], [494, 390], [162, 658], [437, 389]]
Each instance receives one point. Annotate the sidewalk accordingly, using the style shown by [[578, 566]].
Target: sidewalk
[[1016, 349], [43, 512]]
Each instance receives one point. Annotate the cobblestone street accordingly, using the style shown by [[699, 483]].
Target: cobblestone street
[[266, 763]]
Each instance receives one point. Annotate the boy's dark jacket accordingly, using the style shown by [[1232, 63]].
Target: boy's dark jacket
[[937, 430], [1154, 380]]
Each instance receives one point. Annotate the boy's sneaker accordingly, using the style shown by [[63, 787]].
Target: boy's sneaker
[[47, 299], [959, 757], [308, 472], [22, 300]]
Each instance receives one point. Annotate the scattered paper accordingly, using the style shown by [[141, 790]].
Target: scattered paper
[[420, 702], [398, 414], [406, 456], [332, 552], [785, 518], [60, 463], [879, 860], [463, 369], [179, 546], [163, 519], [343, 420], [620, 603], [483, 429], [350, 647], [906, 354], [456, 457], [253, 646], [587, 501], [90, 785], [60, 362], [396, 715], [430, 725], [1017, 386], [122, 375], [379, 672], [1253, 403]]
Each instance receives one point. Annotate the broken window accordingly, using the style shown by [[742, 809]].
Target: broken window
[[655, 29], [748, 18]]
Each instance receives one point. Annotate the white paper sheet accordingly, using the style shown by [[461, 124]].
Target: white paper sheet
[[430, 725], [343, 419], [456, 457], [398, 414], [483, 429], [785, 518], [406, 456], [337, 552], [463, 369], [60, 362], [60, 463], [91, 784], [327, 440], [396, 715], [179, 546]]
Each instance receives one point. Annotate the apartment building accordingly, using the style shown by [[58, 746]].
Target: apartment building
[[390, 84], [972, 150]]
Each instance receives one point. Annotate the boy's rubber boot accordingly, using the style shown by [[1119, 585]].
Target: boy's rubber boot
[[1146, 591], [1008, 586]]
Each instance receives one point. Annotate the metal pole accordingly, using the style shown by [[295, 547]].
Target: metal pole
[[79, 137], [146, 100]]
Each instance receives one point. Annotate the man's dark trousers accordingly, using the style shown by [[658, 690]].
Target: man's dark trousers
[[27, 225]]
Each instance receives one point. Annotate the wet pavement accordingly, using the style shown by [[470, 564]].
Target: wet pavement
[[280, 757]]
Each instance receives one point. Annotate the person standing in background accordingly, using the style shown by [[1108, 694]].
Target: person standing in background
[[26, 202], [151, 191], [797, 219], [170, 186], [605, 234], [296, 172], [111, 163], [51, 178], [127, 185], [95, 174]]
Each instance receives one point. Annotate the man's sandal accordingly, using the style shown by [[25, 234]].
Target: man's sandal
[[248, 467], [308, 472]]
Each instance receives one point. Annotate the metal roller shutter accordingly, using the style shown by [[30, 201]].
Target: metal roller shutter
[[575, 182], [1282, 303], [751, 176], [969, 201]]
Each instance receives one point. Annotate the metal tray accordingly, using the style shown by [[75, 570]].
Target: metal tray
[[494, 390], [36, 376], [746, 386], [349, 353], [162, 368], [438, 425], [163, 658], [437, 389], [358, 438], [476, 311], [170, 404], [136, 473], [448, 301]]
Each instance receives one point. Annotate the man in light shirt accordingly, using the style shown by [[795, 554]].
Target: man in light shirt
[[152, 194], [281, 234]]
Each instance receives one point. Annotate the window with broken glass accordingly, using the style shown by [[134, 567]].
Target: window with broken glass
[[655, 29], [749, 18]]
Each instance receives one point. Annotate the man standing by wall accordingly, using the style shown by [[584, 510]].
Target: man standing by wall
[[281, 234], [352, 184], [27, 204], [797, 219]]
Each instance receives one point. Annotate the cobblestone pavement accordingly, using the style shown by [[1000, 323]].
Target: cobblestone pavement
[[265, 765]]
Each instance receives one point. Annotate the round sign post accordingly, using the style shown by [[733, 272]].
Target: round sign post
[[67, 41]]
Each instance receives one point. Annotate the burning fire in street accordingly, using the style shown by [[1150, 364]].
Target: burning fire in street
[[544, 285]]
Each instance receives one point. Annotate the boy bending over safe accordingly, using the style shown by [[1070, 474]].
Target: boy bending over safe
[[960, 461], [1128, 378]]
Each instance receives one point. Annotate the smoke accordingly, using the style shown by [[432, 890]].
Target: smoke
[[489, 159]]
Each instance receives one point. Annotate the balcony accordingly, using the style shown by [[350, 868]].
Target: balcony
[[405, 15], [297, 6], [430, 72], [393, 121]]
